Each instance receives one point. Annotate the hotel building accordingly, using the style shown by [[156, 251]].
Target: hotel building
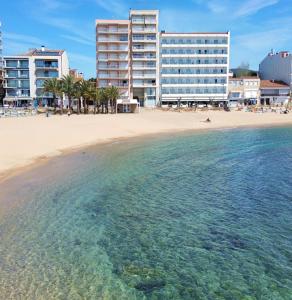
[[161, 68], [145, 56], [127, 56], [194, 68], [24, 75], [113, 55], [1, 58]]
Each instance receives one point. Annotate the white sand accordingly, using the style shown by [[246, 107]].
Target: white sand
[[24, 140]]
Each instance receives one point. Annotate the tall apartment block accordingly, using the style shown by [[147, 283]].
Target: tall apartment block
[[25, 75], [1, 56], [194, 67], [113, 55], [277, 66], [127, 56], [161, 68], [145, 56]]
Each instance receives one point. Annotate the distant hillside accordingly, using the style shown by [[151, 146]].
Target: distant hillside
[[239, 72]]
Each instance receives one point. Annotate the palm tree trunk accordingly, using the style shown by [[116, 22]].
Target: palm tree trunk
[[78, 106], [62, 106]]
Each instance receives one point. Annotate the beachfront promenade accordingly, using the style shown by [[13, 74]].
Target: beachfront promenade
[[25, 140]]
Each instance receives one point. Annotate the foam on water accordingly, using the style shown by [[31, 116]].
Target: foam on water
[[193, 216]]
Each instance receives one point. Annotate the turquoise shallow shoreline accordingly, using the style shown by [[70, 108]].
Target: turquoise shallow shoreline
[[188, 216]]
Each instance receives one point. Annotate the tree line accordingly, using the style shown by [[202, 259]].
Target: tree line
[[84, 91]]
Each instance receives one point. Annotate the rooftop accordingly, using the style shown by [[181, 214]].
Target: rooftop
[[244, 77], [196, 33], [273, 84], [43, 52], [104, 21]]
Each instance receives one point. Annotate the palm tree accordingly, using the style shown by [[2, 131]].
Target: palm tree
[[104, 100], [113, 95], [87, 91], [98, 98], [77, 95], [53, 85], [68, 88]]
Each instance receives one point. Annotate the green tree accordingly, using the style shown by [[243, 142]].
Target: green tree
[[77, 95], [112, 95], [87, 92], [68, 88], [53, 85]]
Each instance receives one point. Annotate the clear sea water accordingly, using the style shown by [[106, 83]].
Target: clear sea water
[[185, 216]]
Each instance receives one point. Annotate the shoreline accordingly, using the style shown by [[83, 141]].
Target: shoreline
[[33, 162]]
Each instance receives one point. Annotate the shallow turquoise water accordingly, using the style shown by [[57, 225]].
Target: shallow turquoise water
[[192, 216]]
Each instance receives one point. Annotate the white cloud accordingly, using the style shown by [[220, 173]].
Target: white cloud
[[28, 39], [15, 43], [77, 58], [115, 7], [235, 9], [77, 39], [253, 6]]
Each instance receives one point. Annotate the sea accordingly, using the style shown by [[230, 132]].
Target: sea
[[193, 215]]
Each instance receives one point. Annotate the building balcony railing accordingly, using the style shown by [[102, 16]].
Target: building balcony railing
[[112, 41], [108, 31], [112, 50]]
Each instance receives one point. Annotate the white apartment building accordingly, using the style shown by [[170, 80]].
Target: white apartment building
[[113, 55], [277, 66], [194, 68], [24, 75], [127, 56], [145, 56], [1, 56]]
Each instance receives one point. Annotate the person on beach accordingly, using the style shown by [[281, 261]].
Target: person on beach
[[207, 120]]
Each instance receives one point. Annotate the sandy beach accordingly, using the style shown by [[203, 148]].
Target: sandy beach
[[29, 139]]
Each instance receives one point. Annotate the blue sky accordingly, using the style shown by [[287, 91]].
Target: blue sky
[[256, 25]]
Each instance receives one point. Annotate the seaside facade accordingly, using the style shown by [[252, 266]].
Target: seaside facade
[[161, 68], [127, 56], [274, 92], [194, 68], [244, 90], [25, 75], [1, 58], [145, 56], [113, 55], [277, 66]]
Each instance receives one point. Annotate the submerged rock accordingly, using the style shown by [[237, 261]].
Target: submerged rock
[[150, 286]]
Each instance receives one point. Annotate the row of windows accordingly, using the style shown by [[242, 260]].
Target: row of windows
[[138, 37], [18, 74], [144, 55], [14, 83], [121, 38], [194, 91], [46, 64], [194, 71], [194, 51], [194, 41], [193, 80], [17, 93], [17, 63], [190, 61], [246, 83]]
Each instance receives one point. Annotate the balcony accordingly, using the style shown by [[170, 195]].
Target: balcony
[[112, 31], [112, 40]]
